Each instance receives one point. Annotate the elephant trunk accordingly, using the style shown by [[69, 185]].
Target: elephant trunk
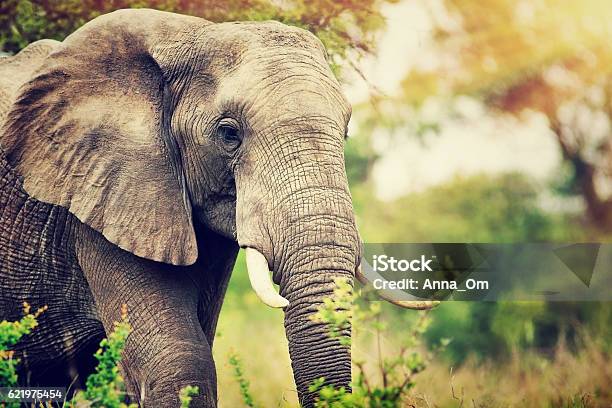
[[312, 250], [308, 275], [315, 254], [314, 353]]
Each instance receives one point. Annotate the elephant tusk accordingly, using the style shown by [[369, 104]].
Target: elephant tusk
[[259, 275], [406, 304]]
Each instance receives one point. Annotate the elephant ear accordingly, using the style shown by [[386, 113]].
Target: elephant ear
[[89, 133]]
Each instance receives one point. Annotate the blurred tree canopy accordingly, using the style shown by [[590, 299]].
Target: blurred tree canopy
[[486, 208], [494, 330], [347, 26], [544, 56], [479, 208]]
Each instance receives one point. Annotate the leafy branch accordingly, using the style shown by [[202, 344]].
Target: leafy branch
[[396, 374]]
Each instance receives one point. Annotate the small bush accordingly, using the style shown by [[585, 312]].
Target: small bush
[[10, 334], [395, 375], [105, 387], [186, 394]]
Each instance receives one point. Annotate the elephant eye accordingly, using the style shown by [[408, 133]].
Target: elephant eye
[[228, 130]]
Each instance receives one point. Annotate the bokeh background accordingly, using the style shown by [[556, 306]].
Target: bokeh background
[[473, 122]]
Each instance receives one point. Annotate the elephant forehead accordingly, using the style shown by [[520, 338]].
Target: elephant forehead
[[284, 94], [275, 34], [243, 36], [270, 61]]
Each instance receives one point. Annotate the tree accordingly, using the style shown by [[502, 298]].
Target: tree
[[344, 27], [544, 56]]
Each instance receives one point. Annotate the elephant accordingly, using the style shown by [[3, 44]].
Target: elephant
[[137, 157]]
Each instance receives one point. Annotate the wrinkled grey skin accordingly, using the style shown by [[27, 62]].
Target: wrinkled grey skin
[[120, 183]]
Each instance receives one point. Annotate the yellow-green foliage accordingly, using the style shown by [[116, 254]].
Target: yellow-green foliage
[[396, 373], [186, 394], [243, 383], [105, 388], [341, 26], [337, 312], [10, 334]]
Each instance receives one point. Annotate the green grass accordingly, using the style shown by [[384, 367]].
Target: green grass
[[575, 375]]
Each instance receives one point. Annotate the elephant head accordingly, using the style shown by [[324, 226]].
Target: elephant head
[[142, 121]]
